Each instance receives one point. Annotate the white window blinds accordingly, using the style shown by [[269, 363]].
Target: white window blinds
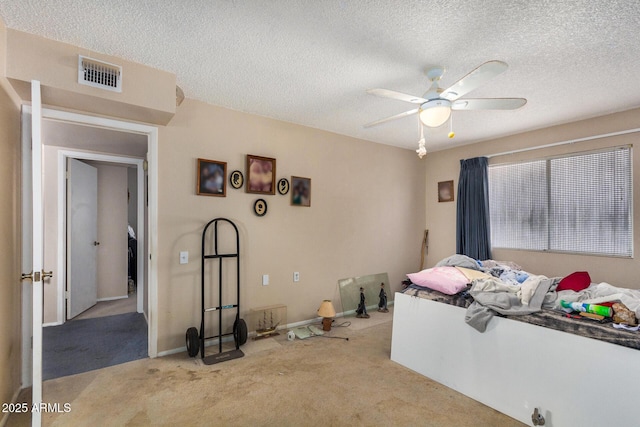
[[580, 203]]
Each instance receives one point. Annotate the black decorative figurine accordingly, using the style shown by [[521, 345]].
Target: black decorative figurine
[[382, 305], [361, 311]]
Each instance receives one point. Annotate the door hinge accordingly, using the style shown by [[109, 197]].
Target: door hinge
[[67, 175], [66, 294], [145, 165]]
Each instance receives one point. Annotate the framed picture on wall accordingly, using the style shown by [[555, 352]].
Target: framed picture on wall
[[300, 191], [283, 186], [261, 172], [212, 178], [236, 179], [445, 191]]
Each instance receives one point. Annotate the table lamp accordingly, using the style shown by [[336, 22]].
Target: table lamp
[[327, 312]]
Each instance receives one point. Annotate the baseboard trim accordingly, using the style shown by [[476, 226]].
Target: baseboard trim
[[211, 342], [112, 298], [44, 325], [14, 399]]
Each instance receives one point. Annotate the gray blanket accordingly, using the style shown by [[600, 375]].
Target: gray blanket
[[459, 261], [491, 298]]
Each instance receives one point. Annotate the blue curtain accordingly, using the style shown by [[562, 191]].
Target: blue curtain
[[472, 217]]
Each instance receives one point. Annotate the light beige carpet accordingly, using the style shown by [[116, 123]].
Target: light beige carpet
[[109, 308], [316, 382]]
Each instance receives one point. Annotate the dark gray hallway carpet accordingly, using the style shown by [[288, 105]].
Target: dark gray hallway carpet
[[84, 345]]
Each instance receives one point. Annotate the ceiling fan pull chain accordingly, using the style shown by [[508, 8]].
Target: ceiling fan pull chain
[[451, 133], [422, 150]]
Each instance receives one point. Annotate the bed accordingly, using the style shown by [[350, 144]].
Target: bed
[[576, 372]]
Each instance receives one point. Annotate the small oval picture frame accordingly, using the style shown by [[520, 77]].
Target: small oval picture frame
[[260, 207], [283, 186], [236, 179]]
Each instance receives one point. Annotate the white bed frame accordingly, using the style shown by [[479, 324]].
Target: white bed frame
[[515, 367]]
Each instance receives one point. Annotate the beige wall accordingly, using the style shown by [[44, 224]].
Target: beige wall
[[147, 95], [112, 231], [10, 241], [445, 165], [50, 214], [366, 214]]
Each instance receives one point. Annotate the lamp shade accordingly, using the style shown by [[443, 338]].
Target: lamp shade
[[326, 309], [435, 113]]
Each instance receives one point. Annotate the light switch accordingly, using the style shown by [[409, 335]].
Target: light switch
[[265, 279], [184, 257]]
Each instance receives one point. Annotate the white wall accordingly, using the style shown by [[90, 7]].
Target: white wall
[[112, 231]]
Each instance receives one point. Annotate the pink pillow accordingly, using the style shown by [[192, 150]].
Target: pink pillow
[[575, 281], [448, 280]]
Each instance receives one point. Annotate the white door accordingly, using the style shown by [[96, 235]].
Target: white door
[[37, 253], [82, 237]]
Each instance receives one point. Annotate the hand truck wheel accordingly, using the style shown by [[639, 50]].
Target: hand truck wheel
[[193, 341], [240, 332]]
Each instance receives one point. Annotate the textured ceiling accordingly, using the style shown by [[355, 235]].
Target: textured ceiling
[[310, 62]]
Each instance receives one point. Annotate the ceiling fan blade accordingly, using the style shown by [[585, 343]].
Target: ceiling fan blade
[[386, 93], [474, 79], [488, 104], [397, 116]]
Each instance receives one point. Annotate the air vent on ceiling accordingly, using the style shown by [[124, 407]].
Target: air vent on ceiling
[[96, 73]]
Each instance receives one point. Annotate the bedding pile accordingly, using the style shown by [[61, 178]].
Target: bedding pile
[[489, 288]]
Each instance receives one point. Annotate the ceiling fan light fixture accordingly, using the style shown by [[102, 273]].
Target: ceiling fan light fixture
[[435, 113]]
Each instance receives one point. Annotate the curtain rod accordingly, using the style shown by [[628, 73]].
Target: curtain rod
[[570, 141]]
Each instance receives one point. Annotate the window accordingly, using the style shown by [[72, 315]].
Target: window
[[580, 203]]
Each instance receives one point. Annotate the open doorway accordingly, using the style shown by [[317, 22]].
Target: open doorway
[[89, 167], [88, 145], [33, 233], [109, 151]]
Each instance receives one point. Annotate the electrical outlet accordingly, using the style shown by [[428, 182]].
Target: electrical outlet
[[184, 257], [296, 276], [265, 279]]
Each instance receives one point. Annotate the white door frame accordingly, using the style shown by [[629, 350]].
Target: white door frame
[[151, 239], [27, 252], [37, 250], [63, 155]]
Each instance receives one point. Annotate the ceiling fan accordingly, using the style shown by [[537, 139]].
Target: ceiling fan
[[436, 104]]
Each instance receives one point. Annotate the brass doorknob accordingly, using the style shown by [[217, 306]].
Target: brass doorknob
[[27, 276], [46, 274]]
